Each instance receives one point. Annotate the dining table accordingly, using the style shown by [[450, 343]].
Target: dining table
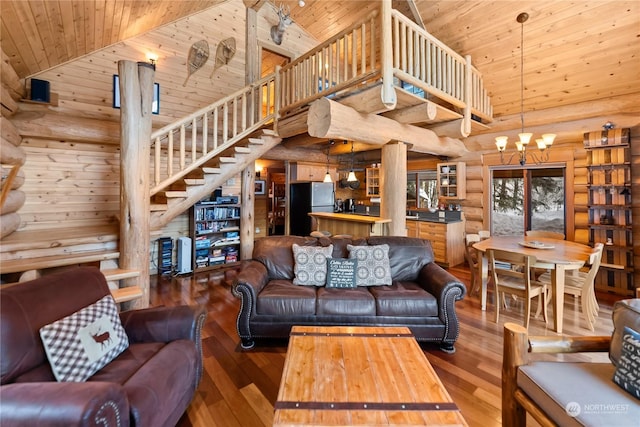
[[557, 256]]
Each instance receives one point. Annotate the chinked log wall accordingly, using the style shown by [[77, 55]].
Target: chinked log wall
[[12, 155]]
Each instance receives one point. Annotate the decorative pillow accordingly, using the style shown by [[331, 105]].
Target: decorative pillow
[[626, 374], [374, 268], [82, 343], [341, 272], [310, 264]]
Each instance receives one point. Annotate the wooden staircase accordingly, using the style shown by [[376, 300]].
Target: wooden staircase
[[202, 181]]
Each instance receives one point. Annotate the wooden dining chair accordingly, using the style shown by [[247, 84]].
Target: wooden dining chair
[[484, 234], [517, 281], [545, 233], [472, 258], [582, 284]]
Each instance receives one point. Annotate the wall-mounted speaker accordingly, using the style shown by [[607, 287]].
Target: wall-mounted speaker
[[40, 90]]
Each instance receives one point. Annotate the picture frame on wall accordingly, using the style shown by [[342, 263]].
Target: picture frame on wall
[[155, 107], [260, 186]]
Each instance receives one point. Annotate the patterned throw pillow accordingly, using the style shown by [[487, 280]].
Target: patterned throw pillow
[[373, 268], [341, 272], [310, 264], [82, 343], [626, 374]]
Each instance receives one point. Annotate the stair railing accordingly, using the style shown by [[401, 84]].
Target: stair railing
[[203, 135]]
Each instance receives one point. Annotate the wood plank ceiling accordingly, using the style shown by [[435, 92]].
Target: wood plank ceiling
[[575, 51]]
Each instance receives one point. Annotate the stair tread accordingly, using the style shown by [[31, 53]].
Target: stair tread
[[155, 207], [120, 273], [227, 160], [128, 293], [176, 193], [19, 265], [194, 181], [210, 170], [244, 150]]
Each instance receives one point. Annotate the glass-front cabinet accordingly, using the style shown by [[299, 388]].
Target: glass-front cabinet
[[372, 177], [452, 180]]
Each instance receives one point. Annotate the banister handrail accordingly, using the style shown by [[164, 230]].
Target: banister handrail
[[226, 122]]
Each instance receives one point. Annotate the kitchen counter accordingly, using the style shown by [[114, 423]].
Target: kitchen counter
[[445, 217], [446, 233], [352, 224]]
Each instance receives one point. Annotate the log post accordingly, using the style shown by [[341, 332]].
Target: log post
[[388, 91], [515, 354], [393, 181], [247, 213], [136, 95]]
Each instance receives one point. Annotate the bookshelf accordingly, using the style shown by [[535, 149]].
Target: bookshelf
[[609, 207], [215, 233]]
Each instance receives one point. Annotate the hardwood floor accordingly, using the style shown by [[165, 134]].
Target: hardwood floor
[[239, 388]]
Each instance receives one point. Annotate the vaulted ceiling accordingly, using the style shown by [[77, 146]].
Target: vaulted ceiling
[[574, 51]]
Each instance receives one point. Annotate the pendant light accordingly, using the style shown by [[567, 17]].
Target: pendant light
[[352, 176], [327, 176], [547, 139]]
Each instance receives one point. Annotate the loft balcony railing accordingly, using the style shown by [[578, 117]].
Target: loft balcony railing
[[388, 48]]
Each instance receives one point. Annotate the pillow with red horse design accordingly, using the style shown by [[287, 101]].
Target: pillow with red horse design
[[82, 343]]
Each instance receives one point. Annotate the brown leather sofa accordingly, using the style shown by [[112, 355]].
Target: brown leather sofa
[[151, 383], [421, 297]]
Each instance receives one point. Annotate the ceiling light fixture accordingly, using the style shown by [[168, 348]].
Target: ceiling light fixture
[[153, 59], [327, 176], [544, 143], [301, 3], [352, 176]]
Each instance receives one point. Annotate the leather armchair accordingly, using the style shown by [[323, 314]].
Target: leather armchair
[[151, 383]]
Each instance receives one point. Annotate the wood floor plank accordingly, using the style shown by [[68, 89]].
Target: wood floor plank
[[239, 388]]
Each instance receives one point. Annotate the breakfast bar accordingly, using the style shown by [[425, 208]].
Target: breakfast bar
[[352, 224]]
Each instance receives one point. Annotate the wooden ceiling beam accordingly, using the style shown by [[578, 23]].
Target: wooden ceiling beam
[[331, 120], [416, 13]]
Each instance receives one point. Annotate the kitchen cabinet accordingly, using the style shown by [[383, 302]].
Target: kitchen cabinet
[[447, 239], [301, 171], [452, 180], [372, 180]]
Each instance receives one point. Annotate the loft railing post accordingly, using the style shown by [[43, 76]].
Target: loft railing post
[[467, 95], [277, 93], [388, 92]]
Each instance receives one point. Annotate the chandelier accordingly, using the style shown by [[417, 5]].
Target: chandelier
[[544, 143]]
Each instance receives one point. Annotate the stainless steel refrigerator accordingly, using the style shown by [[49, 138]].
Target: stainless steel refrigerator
[[308, 197]]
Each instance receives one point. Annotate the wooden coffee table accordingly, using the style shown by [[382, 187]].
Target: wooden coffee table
[[360, 376]]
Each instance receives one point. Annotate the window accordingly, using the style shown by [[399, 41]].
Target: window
[[427, 189], [527, 199]]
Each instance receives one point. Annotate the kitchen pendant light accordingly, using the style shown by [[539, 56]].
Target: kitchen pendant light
[[327, 176], [352, 176]]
